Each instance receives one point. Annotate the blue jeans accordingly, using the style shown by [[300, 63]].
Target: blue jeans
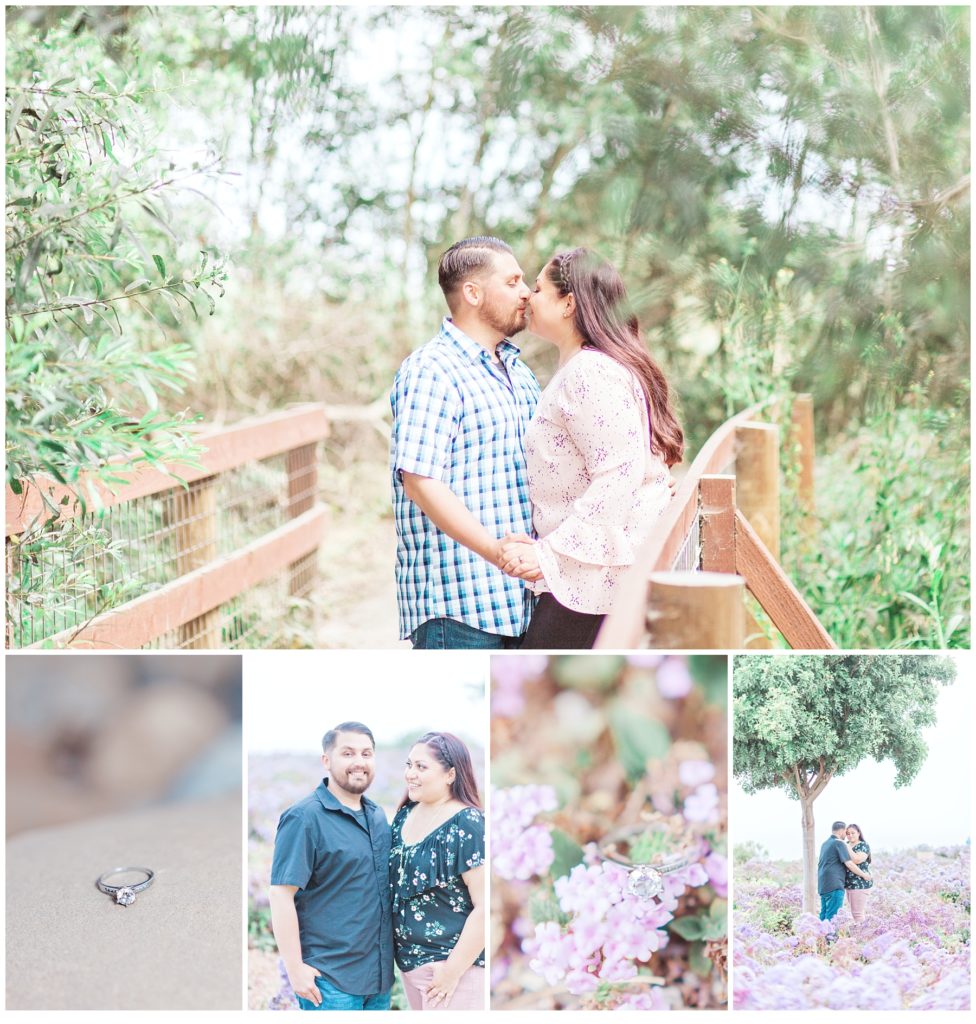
[[335, 999], [449, 634], [830, 903]]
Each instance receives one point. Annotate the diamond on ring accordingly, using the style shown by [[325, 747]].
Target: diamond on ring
[[646, 880], [125, 895]]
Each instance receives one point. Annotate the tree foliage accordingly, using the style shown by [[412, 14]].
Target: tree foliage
[[809, 717], [98, 279]]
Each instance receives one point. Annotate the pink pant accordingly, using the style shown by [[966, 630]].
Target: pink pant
[[858, 899], [469, 994]]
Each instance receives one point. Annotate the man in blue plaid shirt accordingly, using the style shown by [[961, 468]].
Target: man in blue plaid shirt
[[461, 406]]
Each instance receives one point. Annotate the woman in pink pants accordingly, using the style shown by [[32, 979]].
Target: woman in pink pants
[[437, 878], [857, 888]]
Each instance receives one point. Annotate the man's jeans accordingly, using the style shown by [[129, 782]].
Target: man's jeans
[[450, 635], [335, 999], [830, 903]]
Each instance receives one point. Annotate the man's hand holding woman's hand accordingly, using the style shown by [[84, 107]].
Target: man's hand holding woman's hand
[[519, 557]]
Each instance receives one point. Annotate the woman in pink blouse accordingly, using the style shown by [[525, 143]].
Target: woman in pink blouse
[[598, 450]]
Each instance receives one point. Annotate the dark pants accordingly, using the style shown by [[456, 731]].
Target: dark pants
[[830, 903], [554, 626], [450, 635]]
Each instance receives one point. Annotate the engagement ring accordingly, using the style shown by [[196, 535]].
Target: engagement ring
[[125, 894], [645, 879]]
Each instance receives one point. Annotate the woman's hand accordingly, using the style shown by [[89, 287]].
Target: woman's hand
[[520, 559], [444, 980]]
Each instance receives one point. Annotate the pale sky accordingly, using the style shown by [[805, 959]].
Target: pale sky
[[936, 808], [292, 697]]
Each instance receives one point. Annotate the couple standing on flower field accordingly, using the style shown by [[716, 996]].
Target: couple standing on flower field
[[844, 867], [350, 894], [517, 512]]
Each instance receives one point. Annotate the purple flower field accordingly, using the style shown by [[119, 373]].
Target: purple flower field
[[911, 952]]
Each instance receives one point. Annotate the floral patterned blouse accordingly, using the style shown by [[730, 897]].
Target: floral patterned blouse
[[430, 900], [851, 881], [596, 487]]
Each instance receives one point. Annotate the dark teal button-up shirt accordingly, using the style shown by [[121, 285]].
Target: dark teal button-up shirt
[[340, 868]]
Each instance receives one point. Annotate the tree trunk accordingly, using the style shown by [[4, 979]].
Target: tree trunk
[[811, 903]]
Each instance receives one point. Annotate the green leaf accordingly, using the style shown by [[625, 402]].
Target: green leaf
[[697, 960], [568, 853], [637, 739], [711, 673], [160, 265], [688, 927]]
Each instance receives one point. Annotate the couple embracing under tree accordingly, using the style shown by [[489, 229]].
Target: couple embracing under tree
[[350, 894], [844, 867], [518, 513]]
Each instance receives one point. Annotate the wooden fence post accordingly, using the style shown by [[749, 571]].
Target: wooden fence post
[[303, 475], [757, 479], [195, 514], [696, 610], [718, 523], [802, 440]]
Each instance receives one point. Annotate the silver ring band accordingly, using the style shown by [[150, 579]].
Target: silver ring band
[[644, 878], [124, 894]]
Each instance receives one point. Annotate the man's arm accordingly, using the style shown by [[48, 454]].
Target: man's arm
[[451, 516], [854, 869], [284, 924]]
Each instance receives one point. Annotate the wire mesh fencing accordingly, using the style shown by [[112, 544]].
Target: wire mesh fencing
[[66, 575]]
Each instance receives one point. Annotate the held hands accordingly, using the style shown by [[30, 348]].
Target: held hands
[[444, 980], [519, 558], [302, 978]]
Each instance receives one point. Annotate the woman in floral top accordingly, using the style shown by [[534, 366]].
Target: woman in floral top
[[857, 888], [437, 878], [598, 451]]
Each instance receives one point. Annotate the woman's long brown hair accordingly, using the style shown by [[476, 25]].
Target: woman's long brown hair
[[450, 753], [606, 323]]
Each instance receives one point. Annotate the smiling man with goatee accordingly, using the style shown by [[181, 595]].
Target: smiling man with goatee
[[330, 908]]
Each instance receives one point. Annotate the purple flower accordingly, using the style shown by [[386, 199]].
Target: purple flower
[[702, 805], [520, 849], [674, 678], [694, 773]]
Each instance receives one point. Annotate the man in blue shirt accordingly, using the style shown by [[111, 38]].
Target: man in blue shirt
[[834, 857], [330, 903], [461, 406]]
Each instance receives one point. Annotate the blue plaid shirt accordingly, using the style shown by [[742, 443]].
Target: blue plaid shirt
[[460, 419]]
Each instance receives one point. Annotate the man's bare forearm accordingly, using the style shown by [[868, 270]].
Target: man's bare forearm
[[852, 867], [284, 925], [451, 516]]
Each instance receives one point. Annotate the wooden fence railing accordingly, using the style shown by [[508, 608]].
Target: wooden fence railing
[[160, 563], [720, 537]]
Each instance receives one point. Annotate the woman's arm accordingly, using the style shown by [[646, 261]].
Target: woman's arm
[[471, 941]]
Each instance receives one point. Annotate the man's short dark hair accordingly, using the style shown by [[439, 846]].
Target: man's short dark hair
[[330, 739], [836, 825], [464, 258]]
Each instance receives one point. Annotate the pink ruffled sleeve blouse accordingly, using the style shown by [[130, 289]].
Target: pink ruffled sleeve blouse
[[596, 487]]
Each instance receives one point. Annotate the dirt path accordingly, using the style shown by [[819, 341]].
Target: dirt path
[[357, 596]]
